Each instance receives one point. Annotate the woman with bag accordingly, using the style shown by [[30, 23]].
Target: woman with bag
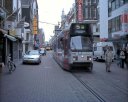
[[122, 57]]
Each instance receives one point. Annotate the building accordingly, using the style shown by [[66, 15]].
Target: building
[[11, 39], [41, 38], [3, 13], [114, 22], [35, 23], [27, 33], [118, 22], [83, 11], [30, 13], [91, 15]]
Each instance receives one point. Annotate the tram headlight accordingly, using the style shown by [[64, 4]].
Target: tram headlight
[[75, 58], [89, 58]]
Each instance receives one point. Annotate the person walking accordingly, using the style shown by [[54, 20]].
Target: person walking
[[108, 59], [126, 57], [122, 57], [118, 57]]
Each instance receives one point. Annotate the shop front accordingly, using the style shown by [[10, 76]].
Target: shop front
[[2, 45]]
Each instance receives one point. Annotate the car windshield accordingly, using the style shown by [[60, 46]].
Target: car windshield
[[33, 52]]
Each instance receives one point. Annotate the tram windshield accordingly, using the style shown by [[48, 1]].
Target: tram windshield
[[81, 43]]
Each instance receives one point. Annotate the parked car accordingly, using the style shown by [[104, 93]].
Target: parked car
[[32, 56], [42, 51]]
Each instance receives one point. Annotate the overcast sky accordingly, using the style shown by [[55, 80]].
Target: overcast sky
[[50, 11]]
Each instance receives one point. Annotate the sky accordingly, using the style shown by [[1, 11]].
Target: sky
[[50, 11]]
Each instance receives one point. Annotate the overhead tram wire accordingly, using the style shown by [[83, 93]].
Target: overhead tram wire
[[48, 23]]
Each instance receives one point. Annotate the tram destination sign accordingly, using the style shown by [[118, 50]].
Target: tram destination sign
[[80, 29]]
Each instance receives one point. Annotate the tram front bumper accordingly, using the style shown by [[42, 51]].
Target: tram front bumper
[[81, 64]]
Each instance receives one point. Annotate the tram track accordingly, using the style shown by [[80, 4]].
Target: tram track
[[93, 92], [122, 90], [110, 81]]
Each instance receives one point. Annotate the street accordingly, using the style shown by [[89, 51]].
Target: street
[[48, 82]]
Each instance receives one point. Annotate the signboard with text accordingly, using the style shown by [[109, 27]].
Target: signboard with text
[[124, 21], [80, 10], [35, 29]]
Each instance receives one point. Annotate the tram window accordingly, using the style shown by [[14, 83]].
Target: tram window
[[60, 43]]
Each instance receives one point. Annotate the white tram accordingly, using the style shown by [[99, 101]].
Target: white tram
[[73, 47]]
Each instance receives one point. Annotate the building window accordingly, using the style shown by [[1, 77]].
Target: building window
[[114, 24], [110, 26], [94, 13], [118, 23], [94, 2], [86, 13], [87, 2], [121, 2], [113, 5], [117, 4], [90, 13], [27, 36]]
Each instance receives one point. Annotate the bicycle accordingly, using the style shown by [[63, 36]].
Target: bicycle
[[10, 64]]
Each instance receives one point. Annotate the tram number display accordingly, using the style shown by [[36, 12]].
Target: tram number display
[[82, 27]]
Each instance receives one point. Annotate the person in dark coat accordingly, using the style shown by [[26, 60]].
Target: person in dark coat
[[118, 57], [126, 57], [122, 57]]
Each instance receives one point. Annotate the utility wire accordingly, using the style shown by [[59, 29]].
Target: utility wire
[[48, 23]]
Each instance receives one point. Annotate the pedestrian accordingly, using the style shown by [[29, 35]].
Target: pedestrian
[[122, 57], [108, 59], [118, 57], [126, 57]]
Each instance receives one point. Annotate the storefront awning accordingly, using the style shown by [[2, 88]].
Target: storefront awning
[[3, 31], [10, 37]]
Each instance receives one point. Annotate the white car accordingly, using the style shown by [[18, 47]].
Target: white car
[[99, 50], [32, 56]]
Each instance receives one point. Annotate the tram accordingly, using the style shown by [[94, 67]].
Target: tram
[[73, 47]]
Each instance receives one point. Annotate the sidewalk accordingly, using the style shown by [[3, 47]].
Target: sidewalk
[[5, 69]]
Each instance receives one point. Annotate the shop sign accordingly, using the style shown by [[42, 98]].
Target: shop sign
[[35, 29], [125, 28], [12, 32], [80, 10], [124, 21]]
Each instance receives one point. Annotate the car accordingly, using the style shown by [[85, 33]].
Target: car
[[99, 49], [32, 56], [42, 51]]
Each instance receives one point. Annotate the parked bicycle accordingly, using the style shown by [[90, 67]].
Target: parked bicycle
[[10, 64]]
